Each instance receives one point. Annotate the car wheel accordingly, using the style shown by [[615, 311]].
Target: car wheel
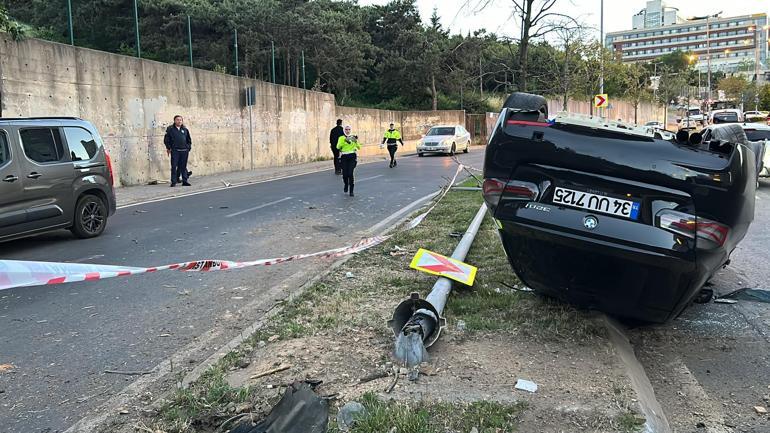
[[527, 102], [452, 152], [467, 147], [90, 217]]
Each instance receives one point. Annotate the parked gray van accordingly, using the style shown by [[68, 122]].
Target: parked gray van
[[54, 174]]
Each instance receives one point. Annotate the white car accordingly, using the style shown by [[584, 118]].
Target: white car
[[444, 139], [727, 115]]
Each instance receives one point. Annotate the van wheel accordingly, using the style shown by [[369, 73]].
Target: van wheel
[[90, 217], [467, 148], [452, 152]]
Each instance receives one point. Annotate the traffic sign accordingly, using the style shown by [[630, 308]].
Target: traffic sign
[[601, 101], [436, 264]]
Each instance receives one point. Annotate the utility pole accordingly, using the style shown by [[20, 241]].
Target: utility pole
[[69, 19], [481, 79], [272, 46], [235, 32], [189, 40], [304, 84], [136, 25]]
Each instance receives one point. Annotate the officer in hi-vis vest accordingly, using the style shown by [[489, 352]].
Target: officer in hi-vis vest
[[393, 137]]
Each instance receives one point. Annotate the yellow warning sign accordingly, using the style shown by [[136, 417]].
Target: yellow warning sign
[[601, 100], [437, 264]]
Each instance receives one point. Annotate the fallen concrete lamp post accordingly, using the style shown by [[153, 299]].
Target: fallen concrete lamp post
[[417, 322]]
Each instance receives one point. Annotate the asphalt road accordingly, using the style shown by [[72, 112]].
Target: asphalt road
[[710, 366], [61, 339]]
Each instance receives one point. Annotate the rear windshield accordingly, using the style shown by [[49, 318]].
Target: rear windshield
[[441, 131], [725, 118], [757, 135], [694, 112]]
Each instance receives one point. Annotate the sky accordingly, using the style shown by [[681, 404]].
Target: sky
[[617, 13]]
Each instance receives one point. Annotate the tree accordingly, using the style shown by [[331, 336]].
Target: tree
[[637, 86], [734, 87]]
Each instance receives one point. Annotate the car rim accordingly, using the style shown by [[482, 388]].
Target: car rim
[[92, 217]]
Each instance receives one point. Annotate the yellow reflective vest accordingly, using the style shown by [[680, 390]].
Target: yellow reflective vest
[[392, 136], [345, 145]]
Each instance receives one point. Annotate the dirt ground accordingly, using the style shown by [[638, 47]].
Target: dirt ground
[[497, 333]]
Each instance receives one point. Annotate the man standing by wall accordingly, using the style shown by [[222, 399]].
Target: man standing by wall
[[178, 144], [334, 137]]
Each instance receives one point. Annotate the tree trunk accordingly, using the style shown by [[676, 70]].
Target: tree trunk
[[566, 78], [433, 91], [526, 26]]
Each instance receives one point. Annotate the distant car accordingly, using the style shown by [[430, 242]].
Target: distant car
[[727, 115], [446, 139], [655, 124], [611, 218], [54, 174], [755, 116]]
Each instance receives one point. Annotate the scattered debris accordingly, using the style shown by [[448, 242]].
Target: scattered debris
[[373, 376], [140, 211], [300, 410], [123, 411], [227, 184], [349, 275], [700, 425], [526, 385], [183, 292], [461, 327], [348, 415], [6, 367], [224, 207], [725, 301], [169, 286], [281, 367], [761, 410], [88, 307], [128, 373], [164, 335], [456, 234], [749, 294], [273, 338]]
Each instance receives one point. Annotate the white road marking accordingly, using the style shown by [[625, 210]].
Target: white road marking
[[264, 205], [369, 178]]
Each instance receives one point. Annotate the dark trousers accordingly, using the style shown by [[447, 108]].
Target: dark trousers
[[392, 151], [349, 162], [337, 163], [179, 165]]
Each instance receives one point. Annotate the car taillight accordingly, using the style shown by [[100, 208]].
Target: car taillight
[[708, 233], [109, 168], [495, 189]]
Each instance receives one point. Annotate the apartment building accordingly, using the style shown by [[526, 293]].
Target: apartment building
[[734, 43]]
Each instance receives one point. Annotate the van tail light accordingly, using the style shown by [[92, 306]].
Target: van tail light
[[495, 190], [109, 168], [707, 232]]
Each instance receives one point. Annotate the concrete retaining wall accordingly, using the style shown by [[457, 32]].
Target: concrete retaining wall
[[623, 110], [132, 101]]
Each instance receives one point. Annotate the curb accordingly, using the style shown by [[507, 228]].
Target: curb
[[656, 421]]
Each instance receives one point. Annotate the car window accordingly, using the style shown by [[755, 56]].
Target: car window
[[42, 145], [442, 131], [757, 134], [81, 143], [5, 151]]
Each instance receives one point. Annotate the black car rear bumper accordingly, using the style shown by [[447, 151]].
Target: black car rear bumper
[[629, 282]]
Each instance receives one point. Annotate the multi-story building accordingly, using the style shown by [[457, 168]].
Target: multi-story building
[[734, 43], [656, 14]]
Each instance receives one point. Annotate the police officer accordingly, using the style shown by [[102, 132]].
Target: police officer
[[392, 136], [334, 137], [348, 145], [178, 145]]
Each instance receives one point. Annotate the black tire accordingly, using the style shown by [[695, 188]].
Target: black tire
[[467, 148], [452, 152], [527, 102], [90, 218], [420, 154]]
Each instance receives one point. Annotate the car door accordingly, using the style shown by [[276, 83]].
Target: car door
[[48, 176], [12, 208]]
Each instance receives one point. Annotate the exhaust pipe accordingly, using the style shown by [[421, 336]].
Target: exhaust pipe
[[417, 322]]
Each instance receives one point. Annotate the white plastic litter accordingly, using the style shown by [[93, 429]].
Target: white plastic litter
[[526, 385]]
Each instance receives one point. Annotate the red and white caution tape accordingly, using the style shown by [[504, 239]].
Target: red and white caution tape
[[14, 273], [17, 273]]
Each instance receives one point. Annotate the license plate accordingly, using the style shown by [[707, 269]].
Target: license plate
[[596, 203]]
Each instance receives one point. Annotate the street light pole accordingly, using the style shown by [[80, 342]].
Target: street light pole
[[136, 24], [69, 19]]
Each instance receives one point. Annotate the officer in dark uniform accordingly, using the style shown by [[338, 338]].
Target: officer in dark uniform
[[178, 145], [334, 137]]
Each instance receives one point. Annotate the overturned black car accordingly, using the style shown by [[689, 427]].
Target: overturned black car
[[612, 216]]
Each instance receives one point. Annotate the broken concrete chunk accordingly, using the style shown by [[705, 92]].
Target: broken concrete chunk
[[760, 410], [349, 413]]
